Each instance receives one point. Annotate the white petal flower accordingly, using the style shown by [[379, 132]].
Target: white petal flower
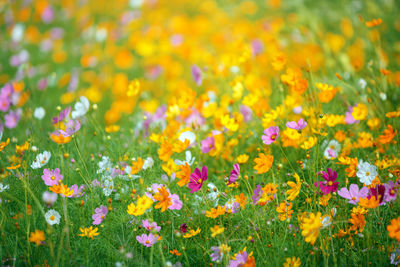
[[41, 160], [80, 108], [366, 172], [3, 187], [148, 163], [52, 217], [187, 135], [39, 113]]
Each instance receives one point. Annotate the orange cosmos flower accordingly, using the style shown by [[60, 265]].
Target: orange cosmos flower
[[263, 163], [394, 229], [164, 200], [388, 135], [60, 139], [373, 23], [37, 237], [183, 174]]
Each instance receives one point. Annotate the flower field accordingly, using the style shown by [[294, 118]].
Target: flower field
[[199, 133]]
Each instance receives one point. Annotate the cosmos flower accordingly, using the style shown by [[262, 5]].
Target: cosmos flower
[[52, 217], [329, 185], [52, 177], [100, 214], [270, 135], [234, 174], [197, 76], [301, 124], [366, 172], [207, 144], [151, 226], [353, 194], [197, 179], [147, 240], [41, 160], [81, 108]]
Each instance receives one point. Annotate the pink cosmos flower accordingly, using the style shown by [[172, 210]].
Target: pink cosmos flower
[[151, 226], [100, 214], [329, 184], [270, 135], [63, 114], [77, 191], [196, 73], [234, 174], [52, 177], [147, 240], [353, 194], [207, 144], [12, 119], [391, 191], [197, 179], [301, 124]]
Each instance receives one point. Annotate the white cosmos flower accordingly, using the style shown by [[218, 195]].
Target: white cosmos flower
[[41, 160], [108, 187], [80, 108], [187, 135], [148, 163], [52, 217], [366, 172], [39, 113], [3, 187], [189, 160], [332, 149]]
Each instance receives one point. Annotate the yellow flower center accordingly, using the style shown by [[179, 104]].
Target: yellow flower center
[[52, 177], [147, 242], [52, 217], [367, 173], [199, 181], [273, 137], [330, 183]]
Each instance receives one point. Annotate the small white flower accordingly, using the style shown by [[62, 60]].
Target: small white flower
[[39, 113], [52, 217], [41, 160], [362, 83], [187, 135], [189, 160], [80, 108], [108, 187], [104, 165], [382, 96], [4, 187], [366, 172], [18, 32], [148, 163]]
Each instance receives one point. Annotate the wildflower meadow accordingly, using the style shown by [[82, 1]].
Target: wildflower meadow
[[199, 133]]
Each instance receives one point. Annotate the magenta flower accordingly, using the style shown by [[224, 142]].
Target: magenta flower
[[329, 184], [354, 193], [207, 144], [270, 135], [52, 177], [301, 124], [147, 240], [256, 194], [151, 226], [196, 73], [391, 191], [234, 174], [63, 114], [379, 193], [197, 179], [100, 214]]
